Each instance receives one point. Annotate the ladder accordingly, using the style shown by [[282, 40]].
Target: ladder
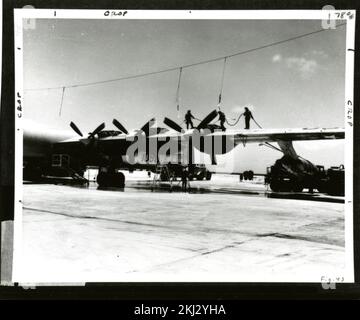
[[161, 169]]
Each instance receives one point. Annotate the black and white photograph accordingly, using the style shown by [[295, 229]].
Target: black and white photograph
[[183, 146]]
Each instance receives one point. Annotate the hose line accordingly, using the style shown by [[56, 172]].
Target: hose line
[[235, 123]]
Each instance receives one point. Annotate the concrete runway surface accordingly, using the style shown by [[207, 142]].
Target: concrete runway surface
[[78, 235]]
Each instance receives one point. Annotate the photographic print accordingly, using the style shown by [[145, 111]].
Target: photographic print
[[183, 146]]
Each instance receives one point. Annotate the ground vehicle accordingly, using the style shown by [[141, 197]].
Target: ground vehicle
[[247, 175], [333, 181], [294, 175], [198, 172]]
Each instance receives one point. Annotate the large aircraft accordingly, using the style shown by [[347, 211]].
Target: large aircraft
[[111, 150]]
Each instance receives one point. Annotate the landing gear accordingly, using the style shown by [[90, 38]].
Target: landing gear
[[200, 176], [111, 179], [297, 187], [248, 175], [275, 186], [164, 175]]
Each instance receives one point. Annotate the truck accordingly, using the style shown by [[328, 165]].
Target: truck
[[295, 175]]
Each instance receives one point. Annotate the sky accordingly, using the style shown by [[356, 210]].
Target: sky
[[297, 84]]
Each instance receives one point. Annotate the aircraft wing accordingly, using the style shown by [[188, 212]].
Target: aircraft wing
[[274, 135], [250, 135]]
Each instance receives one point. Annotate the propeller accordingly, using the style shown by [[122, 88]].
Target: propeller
[[146, 126], [210, 117], [203, 123], [173, 125], [75, 128], [118, 125], [97, 130], [91, 134]]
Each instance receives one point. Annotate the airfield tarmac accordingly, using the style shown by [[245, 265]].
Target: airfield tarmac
[[223, 230]]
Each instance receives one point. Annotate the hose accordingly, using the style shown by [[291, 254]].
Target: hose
[[233, 124], [257, 123]]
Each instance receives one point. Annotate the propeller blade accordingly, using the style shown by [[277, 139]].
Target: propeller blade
[[97, 130], [75, 128], [172, 124], [146, 126], [210, 117], [118, 125]]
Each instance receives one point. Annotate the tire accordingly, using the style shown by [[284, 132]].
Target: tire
[[118, 180], [337, 190], [297, 188], [208, 176], [251, 175], [246, 175], [286, 187], [200, 176], [281, 186], [106, 180], [275, 186], [163, 176], [323, 187], [102, 180]]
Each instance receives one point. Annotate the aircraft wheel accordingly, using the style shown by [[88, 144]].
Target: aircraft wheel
[[250, 175], [323, 187], [105, 179], [286, 187], [246, 175], [336, 190], [297, 188], [118, 179], [101, 179], [275, 186], [200, 176], [163, 176]]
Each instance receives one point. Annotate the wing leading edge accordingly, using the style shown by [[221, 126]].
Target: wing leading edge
[[252, 135], [274, 135]]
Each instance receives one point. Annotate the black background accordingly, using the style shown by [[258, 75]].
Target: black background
[[164, 291]]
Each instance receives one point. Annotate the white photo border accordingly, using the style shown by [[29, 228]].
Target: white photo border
[[22, 16]]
